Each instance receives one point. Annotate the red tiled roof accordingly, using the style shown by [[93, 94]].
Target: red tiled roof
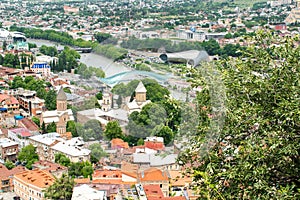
[[82, 180], [119, 143], [154, 145], [153, 191], [36, 177], [107, 173], [49, 166], [131, 174], [5, 173], [153, 174], [108, 181], [29, 124], [8, 99], [24, 132]]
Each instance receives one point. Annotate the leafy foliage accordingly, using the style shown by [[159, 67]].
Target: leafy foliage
[[141, 124], [11, 60], [91, 130], [36, 120], [62, 159], [51, 128], [67, 60], [113, 130], [30, 83], [101, 37], [87, 72], [71, 127], [165, 132], [111, 51], [49, 51], [78, 169], [62, 188], [96, 152], [256, 153], [50, 100], [99, 95], [28, 156], [155, 92], [9, 164]]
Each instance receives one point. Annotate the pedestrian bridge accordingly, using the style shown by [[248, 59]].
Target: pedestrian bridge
[[132, 75]]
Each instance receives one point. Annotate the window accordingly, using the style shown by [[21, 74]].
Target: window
[[5, 182]]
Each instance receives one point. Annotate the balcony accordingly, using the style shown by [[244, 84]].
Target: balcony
[[11, 153]]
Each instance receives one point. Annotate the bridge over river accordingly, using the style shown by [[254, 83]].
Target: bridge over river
[[135, 74]]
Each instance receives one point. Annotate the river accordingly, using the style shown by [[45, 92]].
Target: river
[[90, 59], [110, 67]]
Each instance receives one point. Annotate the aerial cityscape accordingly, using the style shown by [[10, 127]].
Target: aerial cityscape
[[149, 99]]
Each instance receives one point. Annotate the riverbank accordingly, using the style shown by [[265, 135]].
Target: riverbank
[[117, 69], [90, 59]]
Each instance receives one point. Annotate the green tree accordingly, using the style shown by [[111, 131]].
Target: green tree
[[50, 100], [71, 127], [62, 188], [49, 51], [119, 101], [87, 171], [165, 132], [36, 120], [99, 95], [95, 126], [96, 152], [43, 127], [28, 79], [67, 90], [9, 164], [28, 155], [11, 60], [113, 130], [62, 159], [256, 153], [140, 142], [101, 37], [4, 45], [141, 124], [68, 59], [212, 47], [1, 60], [81, 169], [51, 128], [17, 83]]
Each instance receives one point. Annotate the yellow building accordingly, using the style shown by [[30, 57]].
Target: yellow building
[[31, 184]]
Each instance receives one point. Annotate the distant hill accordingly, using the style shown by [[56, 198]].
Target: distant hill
[[243, 3]]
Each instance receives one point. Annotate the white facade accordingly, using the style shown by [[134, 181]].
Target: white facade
[[74, 153], [190, 35], [86, 192], [22, 141]]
